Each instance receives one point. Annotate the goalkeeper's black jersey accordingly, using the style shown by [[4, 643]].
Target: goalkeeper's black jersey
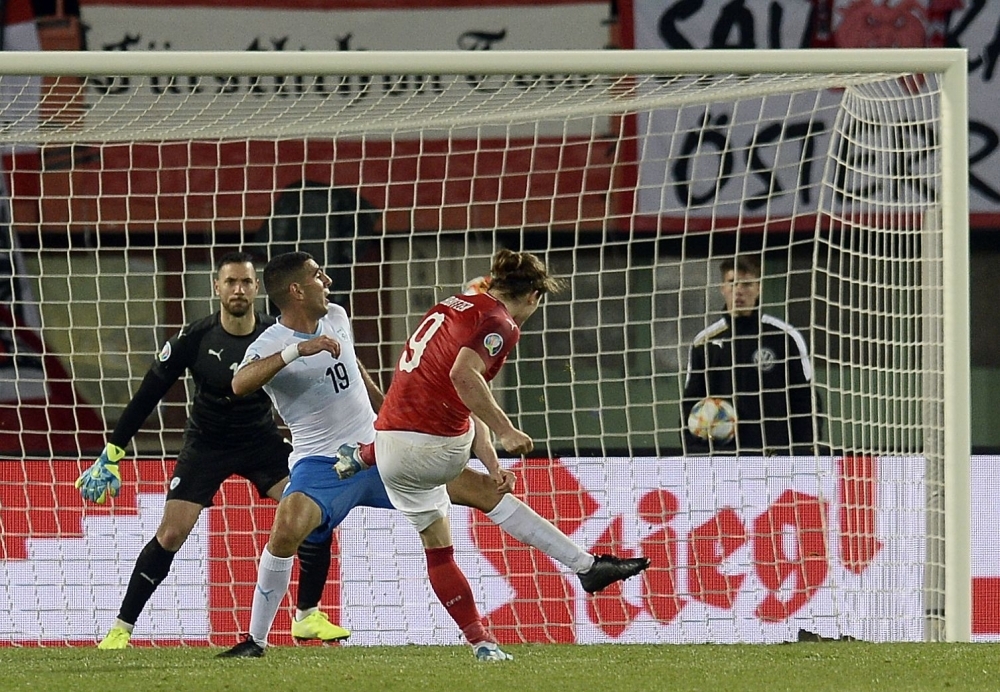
[[216, 416], [761, 364]]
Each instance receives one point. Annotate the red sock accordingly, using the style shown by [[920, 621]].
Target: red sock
[[366, 452], [454, 592]]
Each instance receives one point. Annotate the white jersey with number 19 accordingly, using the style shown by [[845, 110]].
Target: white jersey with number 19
[[323, 400]]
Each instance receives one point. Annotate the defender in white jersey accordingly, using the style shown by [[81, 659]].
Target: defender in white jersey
[[323, 399], [307, 365]]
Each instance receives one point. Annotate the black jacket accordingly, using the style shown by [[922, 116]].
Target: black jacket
[[761, 365]]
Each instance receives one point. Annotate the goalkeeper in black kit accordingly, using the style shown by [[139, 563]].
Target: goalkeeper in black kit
[[225, 436], [761, 365]]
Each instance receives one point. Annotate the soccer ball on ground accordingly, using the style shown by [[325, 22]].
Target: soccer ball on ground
[[713, 419]]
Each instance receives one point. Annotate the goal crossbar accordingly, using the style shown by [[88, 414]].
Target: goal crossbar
[[221, 63]]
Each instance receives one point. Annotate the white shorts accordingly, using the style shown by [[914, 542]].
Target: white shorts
[[416, 468]]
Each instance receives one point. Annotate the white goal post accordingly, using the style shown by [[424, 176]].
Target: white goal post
[[633, 173]]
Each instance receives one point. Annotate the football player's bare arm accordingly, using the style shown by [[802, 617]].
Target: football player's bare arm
[[470, 384], [482, 447], [375, 394], [255, 374]]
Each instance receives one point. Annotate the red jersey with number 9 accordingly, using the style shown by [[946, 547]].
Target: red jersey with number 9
[[421, 397]]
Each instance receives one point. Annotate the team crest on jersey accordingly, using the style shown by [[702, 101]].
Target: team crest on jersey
[[764, 358], [493, 343], [164, 354]]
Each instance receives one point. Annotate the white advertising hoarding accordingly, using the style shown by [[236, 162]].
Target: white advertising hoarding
[[743, 550]]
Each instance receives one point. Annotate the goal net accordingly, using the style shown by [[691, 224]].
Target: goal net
[[634, 175]]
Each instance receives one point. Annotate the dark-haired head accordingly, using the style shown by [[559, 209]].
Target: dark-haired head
[[281, 272], [235, 283], [236, 257], [741, 264]]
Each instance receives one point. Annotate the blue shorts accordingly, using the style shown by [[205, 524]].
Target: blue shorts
[[315, 478]]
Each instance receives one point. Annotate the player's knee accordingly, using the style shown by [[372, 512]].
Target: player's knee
[[171, 537], [485, 496], [295, 519], [286, 536], [475, 490]]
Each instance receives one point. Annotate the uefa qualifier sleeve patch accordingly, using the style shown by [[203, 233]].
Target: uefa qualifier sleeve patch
[[493, 342]]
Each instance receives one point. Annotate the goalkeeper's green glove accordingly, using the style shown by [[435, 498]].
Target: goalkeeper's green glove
[[102, 480]]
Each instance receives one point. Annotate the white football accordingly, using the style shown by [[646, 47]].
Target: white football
[[713, 419]]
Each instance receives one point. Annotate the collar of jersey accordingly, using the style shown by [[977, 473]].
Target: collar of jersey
[[303, 335]]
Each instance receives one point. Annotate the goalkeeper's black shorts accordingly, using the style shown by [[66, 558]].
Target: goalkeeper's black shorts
[[201, 469]]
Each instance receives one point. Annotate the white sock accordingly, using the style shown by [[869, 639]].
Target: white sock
[[273, 576], [301, 615], [529, 527]]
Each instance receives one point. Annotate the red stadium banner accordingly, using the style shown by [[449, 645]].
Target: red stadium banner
[[220, 192], [204, 187]]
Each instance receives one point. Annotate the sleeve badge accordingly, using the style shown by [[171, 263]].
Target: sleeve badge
[[164, 354], [493, 342]]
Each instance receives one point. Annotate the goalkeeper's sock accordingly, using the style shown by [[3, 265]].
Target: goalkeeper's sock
[[529, 527], [151, 568], [301, 615], [314, 569], [127, 626], [273, 576], [454, 592]]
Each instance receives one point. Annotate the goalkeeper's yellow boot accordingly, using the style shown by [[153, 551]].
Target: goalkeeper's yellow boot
[[318, 626], [115, 640]]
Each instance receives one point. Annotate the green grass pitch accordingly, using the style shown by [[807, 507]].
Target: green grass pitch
[[818, 667]]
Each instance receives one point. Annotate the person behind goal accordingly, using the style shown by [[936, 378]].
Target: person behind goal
[[758, 362]]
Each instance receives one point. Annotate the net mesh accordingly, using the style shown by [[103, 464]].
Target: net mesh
[[123, 189]]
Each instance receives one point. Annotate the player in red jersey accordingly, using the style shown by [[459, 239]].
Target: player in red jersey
[[439, 408]]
